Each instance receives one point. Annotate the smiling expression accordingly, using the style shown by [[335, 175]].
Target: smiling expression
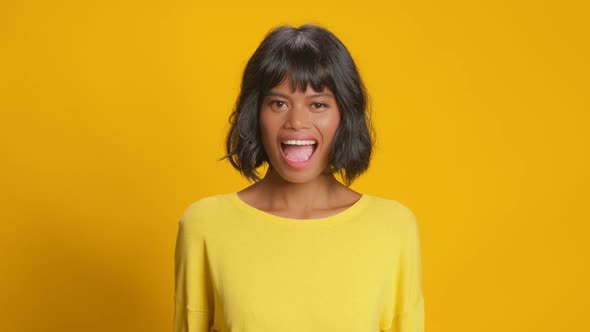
[[303, 115]]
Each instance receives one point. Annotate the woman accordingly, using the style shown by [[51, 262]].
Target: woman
[[298, 250]]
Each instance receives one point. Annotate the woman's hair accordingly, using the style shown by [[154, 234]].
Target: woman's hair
[[312, 55]]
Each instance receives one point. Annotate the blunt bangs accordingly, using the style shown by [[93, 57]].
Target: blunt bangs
[[309, 56], [304, 67]]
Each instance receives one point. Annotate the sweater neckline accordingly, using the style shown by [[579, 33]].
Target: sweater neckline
[[341, 216]]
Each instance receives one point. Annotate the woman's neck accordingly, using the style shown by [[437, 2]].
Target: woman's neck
[[280, 194]]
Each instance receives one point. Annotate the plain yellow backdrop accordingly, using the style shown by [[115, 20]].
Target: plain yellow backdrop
[[114, 113]]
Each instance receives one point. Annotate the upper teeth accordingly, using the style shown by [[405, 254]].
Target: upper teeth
[[299, 142]]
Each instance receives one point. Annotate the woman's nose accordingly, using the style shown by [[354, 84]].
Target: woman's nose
[[297, 118]]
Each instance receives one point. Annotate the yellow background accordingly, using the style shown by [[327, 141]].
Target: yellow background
[[113, 115]]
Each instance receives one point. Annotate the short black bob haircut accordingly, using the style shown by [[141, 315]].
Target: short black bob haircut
[[312, 55]]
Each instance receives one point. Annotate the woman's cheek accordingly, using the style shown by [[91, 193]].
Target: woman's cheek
[[328, 123]]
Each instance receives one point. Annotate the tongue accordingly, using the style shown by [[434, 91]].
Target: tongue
[[298, 153]]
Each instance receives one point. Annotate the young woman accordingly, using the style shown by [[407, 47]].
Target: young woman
[[298, 250]]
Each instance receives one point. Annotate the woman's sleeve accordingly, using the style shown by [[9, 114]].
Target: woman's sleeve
[[409, 316], [193, 310]]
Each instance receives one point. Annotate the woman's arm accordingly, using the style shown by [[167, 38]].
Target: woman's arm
[[193, 310]]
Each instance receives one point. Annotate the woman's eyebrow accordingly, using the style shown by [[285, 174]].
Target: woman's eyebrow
[[319, 94]]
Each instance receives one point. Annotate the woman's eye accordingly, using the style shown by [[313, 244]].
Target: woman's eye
[[319, 105], [277, 103]]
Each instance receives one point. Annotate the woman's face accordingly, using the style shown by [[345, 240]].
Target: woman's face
[[297, 130]]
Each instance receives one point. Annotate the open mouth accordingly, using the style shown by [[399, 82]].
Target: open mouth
[[298, 153]]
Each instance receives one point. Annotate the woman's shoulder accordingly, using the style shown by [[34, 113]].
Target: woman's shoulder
[[205, 208], [208, 202], [392, 207]]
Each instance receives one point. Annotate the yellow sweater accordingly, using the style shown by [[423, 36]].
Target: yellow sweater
[[240, 269]]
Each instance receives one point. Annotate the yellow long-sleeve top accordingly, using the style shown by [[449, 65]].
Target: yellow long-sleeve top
[[241, 269]]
